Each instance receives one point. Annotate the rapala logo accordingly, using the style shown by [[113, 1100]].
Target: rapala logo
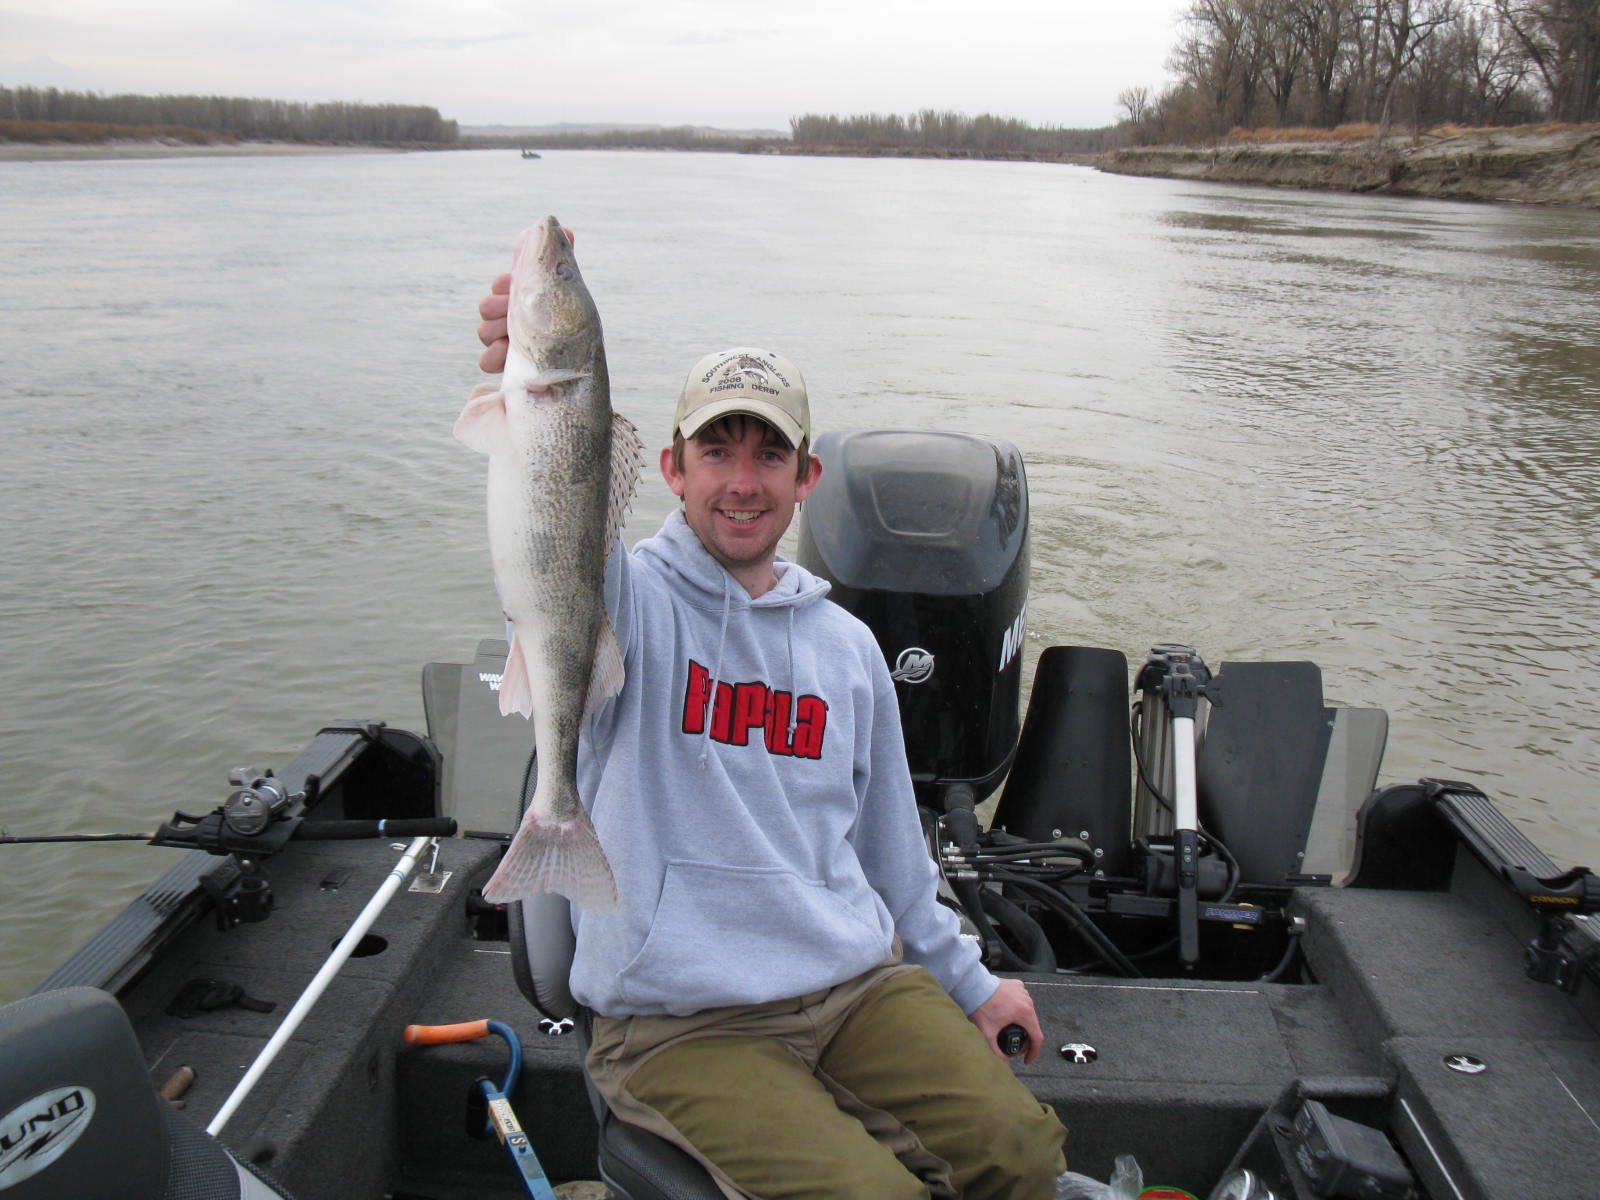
[[788, 725], [37, 1132], [914, 665], [1011, 644]]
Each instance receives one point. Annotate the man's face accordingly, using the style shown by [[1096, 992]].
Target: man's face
[[740, 482]]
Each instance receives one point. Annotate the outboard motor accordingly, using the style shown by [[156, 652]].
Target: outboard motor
[[924, 537]]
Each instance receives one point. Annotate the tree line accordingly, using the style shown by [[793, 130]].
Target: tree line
[[1325, 63], [934, 132], [236, 117], [676, 137]]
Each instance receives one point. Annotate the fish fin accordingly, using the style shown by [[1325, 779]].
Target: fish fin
[[608, 674], [482, 423], [627, 461], [516, 690], [555, 856], [545, 380]]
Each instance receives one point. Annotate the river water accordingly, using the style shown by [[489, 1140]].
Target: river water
[[1363, 431]]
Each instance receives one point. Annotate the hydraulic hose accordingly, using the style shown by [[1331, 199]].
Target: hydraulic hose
[[1076, 920]]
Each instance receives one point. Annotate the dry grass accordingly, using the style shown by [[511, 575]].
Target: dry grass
[[1300, 133], [84, 132], [1365, 130]]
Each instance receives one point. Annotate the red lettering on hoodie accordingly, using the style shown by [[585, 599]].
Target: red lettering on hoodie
[[737, 710]]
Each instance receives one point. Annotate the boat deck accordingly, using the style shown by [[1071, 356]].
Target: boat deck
[[1183, 1075]]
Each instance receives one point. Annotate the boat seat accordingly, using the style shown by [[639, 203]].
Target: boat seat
[[83, 1119], [485, 753], [488, 778], [1280, 774], [634, 1163]]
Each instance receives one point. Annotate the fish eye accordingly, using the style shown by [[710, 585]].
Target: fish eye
[[564, 271]]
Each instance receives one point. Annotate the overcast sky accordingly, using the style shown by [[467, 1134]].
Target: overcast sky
[[735, 64]]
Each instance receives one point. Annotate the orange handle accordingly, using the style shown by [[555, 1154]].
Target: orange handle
[[432, 1035]]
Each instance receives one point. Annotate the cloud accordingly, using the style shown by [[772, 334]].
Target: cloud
[[734, 63]]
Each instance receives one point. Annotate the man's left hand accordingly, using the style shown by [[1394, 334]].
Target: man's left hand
[[1010, 1005]]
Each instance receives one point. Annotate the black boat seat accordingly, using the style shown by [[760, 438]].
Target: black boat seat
[[488, 777], [635, 1163], [1280, 775], [82, 1119]]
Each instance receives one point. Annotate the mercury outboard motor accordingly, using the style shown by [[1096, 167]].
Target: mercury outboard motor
[[924, 537]]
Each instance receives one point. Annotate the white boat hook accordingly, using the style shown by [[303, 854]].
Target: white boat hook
[[319, 983]]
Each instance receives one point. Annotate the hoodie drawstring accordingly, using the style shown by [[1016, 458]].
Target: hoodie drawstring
[[794, 688], [716, 673]]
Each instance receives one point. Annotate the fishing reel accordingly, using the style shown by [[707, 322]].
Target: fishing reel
[[259, 799], [257, 819]]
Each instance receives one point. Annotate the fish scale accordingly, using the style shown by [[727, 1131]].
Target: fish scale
[[562, 470]]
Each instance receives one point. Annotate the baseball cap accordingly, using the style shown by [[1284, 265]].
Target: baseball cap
[[756, 383]]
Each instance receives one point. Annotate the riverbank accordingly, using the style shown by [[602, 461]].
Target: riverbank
[[1539, 165], [159, 148]]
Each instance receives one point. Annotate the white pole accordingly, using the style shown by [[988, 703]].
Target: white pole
[[319, 983], [1185, 799]]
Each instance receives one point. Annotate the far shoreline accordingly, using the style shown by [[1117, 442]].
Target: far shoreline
[[93, 151], [1549, 165], [1536, 165]]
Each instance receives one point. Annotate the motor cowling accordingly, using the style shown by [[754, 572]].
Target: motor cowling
[[924, 537]]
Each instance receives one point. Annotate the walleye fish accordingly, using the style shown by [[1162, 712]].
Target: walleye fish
[[562, 469]]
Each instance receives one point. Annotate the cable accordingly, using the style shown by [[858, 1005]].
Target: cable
[[1135, 728], [1025, 929], [1074, 917], [1289, 952]]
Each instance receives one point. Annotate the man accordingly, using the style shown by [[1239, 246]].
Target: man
[[779, 991]]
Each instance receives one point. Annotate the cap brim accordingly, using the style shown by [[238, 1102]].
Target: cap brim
[[780, 420]]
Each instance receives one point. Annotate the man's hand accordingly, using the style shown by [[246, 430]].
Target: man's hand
[[1010, 1005], [492, 329]]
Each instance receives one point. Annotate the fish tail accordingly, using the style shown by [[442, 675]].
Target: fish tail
[[555, 856]]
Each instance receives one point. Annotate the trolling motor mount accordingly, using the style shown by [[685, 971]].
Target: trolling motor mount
[[1179, 675]]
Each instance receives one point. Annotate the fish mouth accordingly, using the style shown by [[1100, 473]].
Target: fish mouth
[[546, 244], [554, 247], [549, 302]]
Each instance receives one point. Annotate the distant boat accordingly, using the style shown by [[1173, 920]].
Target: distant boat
[[530, 154]]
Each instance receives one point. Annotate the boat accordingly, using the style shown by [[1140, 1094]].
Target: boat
[[1260, 973]]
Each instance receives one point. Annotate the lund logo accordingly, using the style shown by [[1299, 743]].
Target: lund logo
[[913, 666], [37, 1132], [1011, 644]]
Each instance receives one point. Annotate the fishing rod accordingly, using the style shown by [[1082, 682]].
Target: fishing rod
[[259, 816], [7, 839]]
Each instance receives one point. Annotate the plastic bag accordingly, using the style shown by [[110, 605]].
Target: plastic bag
[[1127, 1181]]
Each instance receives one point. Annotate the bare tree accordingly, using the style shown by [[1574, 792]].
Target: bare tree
[[1561, 38], [1279, 54], [1324, 29], [1403, 27], [1218, 54], [1135, 101]]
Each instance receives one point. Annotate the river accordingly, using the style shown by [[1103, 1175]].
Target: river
[[1363, 431]]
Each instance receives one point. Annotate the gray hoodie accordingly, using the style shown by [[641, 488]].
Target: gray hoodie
[[750, 788]]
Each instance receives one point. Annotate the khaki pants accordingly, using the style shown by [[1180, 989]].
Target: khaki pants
[[877, 1089]]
